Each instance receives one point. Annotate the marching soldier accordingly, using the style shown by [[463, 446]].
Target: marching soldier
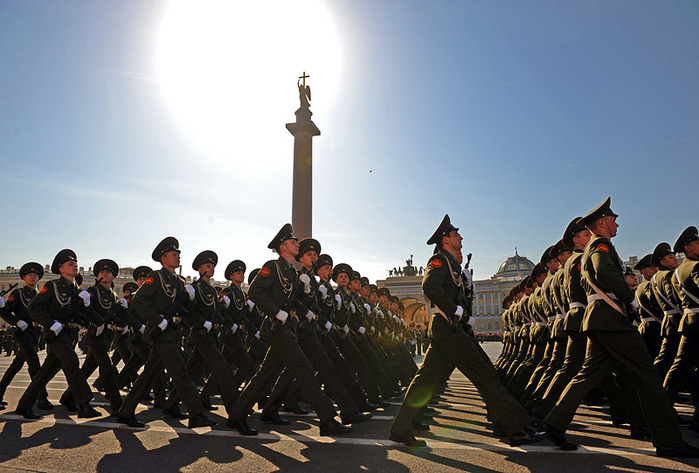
[[612, 337], [650, 312], [57, 304], [14, 311], [453, 346]]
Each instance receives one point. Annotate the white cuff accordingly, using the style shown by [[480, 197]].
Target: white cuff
[[257, 335], [362, 330], [56, 327], [459, 312], [208, 325], [125, 331], [282, 316], [99, 330], [234, 328], [22, 325], [346, 329], [251, 305], [328, 325], [634, 304], [310, 315], [142, 329], [163, 325]]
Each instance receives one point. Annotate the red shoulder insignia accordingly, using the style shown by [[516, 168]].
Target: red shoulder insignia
[[44, 289], [264, 272], [149, 280], [603, 248], [579, 266], [11, 298], [436, 263]]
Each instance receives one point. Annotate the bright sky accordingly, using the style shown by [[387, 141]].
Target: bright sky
[[125, 122]]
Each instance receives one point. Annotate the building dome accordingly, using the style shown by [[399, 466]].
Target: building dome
[[515, 267]]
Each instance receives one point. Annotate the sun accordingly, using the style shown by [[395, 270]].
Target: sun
[[228, 69]]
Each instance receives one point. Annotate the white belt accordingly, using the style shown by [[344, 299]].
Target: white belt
[[671, 312], [540, 324], [560, 316], [552, 318], [692, 311], [577, 305], [648, 319], [597, 297], [527, 324]]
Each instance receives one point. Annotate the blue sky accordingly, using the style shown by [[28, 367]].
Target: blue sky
[[511, 116]]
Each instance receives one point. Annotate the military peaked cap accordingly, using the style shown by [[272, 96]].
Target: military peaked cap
[[383, 291], [106, 265], [355, 275], [342, 268], [252, 275], [538, 270], [374, 288], [443, 229], [548, 254], [130, 287], [62, 257], [661, 251], [602, 210], [168, 244], [32, 267], [573, 227], [141, 272], [306, 245], [206, 256], [364, 280], [323, 260], [689, 235], [233, 266], [286, 233], [644, 262]]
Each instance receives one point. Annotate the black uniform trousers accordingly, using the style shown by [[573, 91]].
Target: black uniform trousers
[[342, 368], [459, 351], [685, 361], [284, 350], [61, 356], [629, 351], [26, 352]]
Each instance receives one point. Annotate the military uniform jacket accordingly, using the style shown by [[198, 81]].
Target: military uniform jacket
[[238, 310], [202, 309], [343, 309], [601, 265], [325, 304], [687, 281], [270, 290], [648, 307], [560, 304], [52, 304], [574, 292], [103, 302], [667, 299], [155, 296], [16, 309], [443, 287]]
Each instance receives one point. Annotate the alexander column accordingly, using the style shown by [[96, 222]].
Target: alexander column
[[303, 130]]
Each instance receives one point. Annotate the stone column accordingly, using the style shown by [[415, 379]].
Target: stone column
[[302, 204]]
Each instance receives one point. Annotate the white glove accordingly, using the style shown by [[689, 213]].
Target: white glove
[[470, 322], [310, 315], [163, 325], [634, 304], [124, 303], [257, 335], [354, 309], [125, 331], [282, 316], [142, 329], [99, 330], [208, 325], [338, 302], [459, 312], [395, 317], [85, 296], [372, 329], [22, 325], [346, 329], [2, 302], [381, 313], [368, 308], [190, 291], [362, 330], [323, 291], [251, 305], [226, 301], [328, 326], [234, 328], [306, 280], [56, 327]]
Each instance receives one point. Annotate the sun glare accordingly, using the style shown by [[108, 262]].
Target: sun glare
[[228, 68]]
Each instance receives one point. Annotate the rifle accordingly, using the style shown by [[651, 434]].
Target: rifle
[[462, 298], [294, 295], [9, 289]]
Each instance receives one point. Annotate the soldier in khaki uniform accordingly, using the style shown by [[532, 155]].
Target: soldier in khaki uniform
[[612, 337], [650, 313], [453, 346], [158, 301]]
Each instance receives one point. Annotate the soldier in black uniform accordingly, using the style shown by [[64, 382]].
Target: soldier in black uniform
[[158, 301], [26, 334], [611, 337], [57, 304], [270, 290], [453, 346]]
